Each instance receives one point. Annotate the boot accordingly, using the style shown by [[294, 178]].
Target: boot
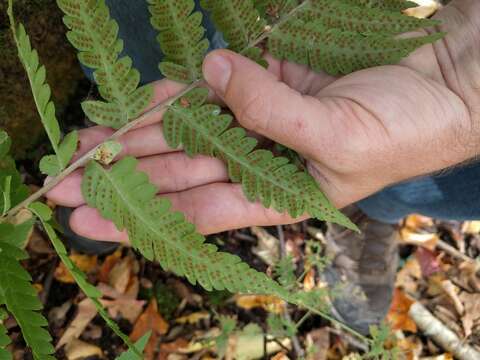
[[363, 270]]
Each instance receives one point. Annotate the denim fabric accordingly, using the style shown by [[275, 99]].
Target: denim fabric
[[139, 37], [453, 195]]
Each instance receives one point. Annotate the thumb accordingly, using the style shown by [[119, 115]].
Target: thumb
[[264, 104]]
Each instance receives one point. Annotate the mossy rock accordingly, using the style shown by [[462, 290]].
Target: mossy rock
[[18, 115]]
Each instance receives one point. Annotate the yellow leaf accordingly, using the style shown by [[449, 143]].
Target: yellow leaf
[[267, 302], [193, 318], [86, 263], [398, 316], [471, 227], [78, 350]]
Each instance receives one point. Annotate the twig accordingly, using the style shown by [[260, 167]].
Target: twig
[[48, 283], [295, 342], [454, 252], [442, 335], [140, 120]]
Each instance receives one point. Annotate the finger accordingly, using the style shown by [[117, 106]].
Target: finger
[[145, 141], [212, 208], [263, 104], [169, 173]]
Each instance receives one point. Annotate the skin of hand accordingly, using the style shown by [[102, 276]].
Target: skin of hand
[[358, 133]]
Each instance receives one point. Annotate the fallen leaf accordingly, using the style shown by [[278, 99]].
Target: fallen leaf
[[86, 263], [280, 356], [428, 262], [309, 280], [398, 316], [471, 227], [472, 311], [319, 341], [56, 315], [439, 357], [452, 291], [172, 347], [409, 275], [426, 240], [119, 276], [418, 223], [129, 309], [79, 350], [85, 313], [193, 318], [269, 303], [149, 320], [267, 247], [108, 264]]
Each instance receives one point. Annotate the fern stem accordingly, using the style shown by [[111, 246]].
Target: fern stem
[[140, 120]]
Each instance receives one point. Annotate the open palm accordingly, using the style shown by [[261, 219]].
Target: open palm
[[358, 133]]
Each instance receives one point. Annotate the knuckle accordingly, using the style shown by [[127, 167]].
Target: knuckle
[[255, 113]]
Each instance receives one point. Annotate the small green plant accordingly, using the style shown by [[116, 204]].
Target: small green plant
[[336, 36]]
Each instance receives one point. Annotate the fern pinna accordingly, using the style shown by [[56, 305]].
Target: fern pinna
[[95, 35]]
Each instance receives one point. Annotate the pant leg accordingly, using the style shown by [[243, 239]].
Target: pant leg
[[139, 37], [452, 195]]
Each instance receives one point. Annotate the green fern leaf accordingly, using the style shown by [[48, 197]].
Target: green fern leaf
[[275, 9], [95, 35], [36, 73], [124, 196], [342, 15], [4, 338], [139, 345], [21, 300], [238, 20], [272, 180], [44, 213], [181, 37], [339, 52], [13, 191], [16, 235]]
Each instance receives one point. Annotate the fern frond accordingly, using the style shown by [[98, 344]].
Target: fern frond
[[124, 196], [181, 38], [275, 9], [50, 165], [273, 181], [44, 213], [16, 235], [238, 20], [95, 35], [340, 52], [139, 345], [21, 300]]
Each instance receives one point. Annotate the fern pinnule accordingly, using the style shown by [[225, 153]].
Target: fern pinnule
[[95, 35], [240, 24], [181, 37], [21, 300], [124, 195], [273, 181], [53, 164]]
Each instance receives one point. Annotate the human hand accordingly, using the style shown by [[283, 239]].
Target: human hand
[[358, 133]]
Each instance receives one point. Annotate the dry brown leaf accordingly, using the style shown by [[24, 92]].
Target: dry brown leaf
[[193, 318], [267, 302], [398, 314], [85, 313], [149, 320], [79, 350], [309, 280], [129, 309], [267, 247], [471, 227], [119, 276], [428, 261], [439, 357], [426, 240], [319, 340], [409, 275], [108, 264], [471, 316], [56, 315], [172, 347], [86, 263], [452, 291], [418, 223], [410, 347], [280, 356]]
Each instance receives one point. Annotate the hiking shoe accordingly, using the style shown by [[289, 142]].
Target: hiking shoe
[[362, 271], [79, 243]]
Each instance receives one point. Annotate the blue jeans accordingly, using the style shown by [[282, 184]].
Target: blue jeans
[[453, 195]]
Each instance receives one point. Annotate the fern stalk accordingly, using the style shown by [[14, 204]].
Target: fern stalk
[[81, 162]]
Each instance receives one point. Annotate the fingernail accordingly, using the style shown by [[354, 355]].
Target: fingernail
[[217, 70]]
